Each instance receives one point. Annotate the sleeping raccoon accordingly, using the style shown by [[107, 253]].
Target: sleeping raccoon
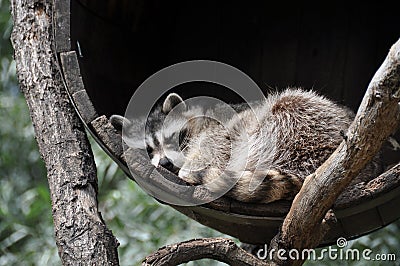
[[262, 153]]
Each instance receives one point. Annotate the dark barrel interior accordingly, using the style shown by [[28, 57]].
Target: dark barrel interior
[[333, 48], [330, 47]]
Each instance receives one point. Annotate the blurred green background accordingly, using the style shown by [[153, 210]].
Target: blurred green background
[[140, 224]]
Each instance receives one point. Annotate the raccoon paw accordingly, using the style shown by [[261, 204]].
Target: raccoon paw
[[213, 178], [191, 177]]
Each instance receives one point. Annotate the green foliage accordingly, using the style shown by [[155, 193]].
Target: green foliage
[[7, 65]]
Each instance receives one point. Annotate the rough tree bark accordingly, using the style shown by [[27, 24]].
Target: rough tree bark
[[81, 235], [377, 118]]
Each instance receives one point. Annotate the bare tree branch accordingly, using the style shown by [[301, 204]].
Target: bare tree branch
[[220, 249], [81, 235], [376, 119]]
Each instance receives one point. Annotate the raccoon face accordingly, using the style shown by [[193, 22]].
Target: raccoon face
[[166, 133]]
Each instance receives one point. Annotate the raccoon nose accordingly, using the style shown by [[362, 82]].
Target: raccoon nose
[[166, 163]]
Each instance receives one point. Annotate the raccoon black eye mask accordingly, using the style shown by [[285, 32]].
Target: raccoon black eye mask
[[263, 153]]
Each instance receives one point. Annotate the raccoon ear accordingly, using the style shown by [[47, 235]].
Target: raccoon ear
[[118, 121], [172, 100]]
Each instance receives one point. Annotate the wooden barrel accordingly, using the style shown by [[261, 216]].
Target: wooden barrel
[[107, 48]]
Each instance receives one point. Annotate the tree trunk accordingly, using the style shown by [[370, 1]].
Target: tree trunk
[[81, 235]]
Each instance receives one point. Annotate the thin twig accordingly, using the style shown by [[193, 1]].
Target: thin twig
[[221, 249]]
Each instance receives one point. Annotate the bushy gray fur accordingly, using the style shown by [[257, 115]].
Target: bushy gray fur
[[263, 153]]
